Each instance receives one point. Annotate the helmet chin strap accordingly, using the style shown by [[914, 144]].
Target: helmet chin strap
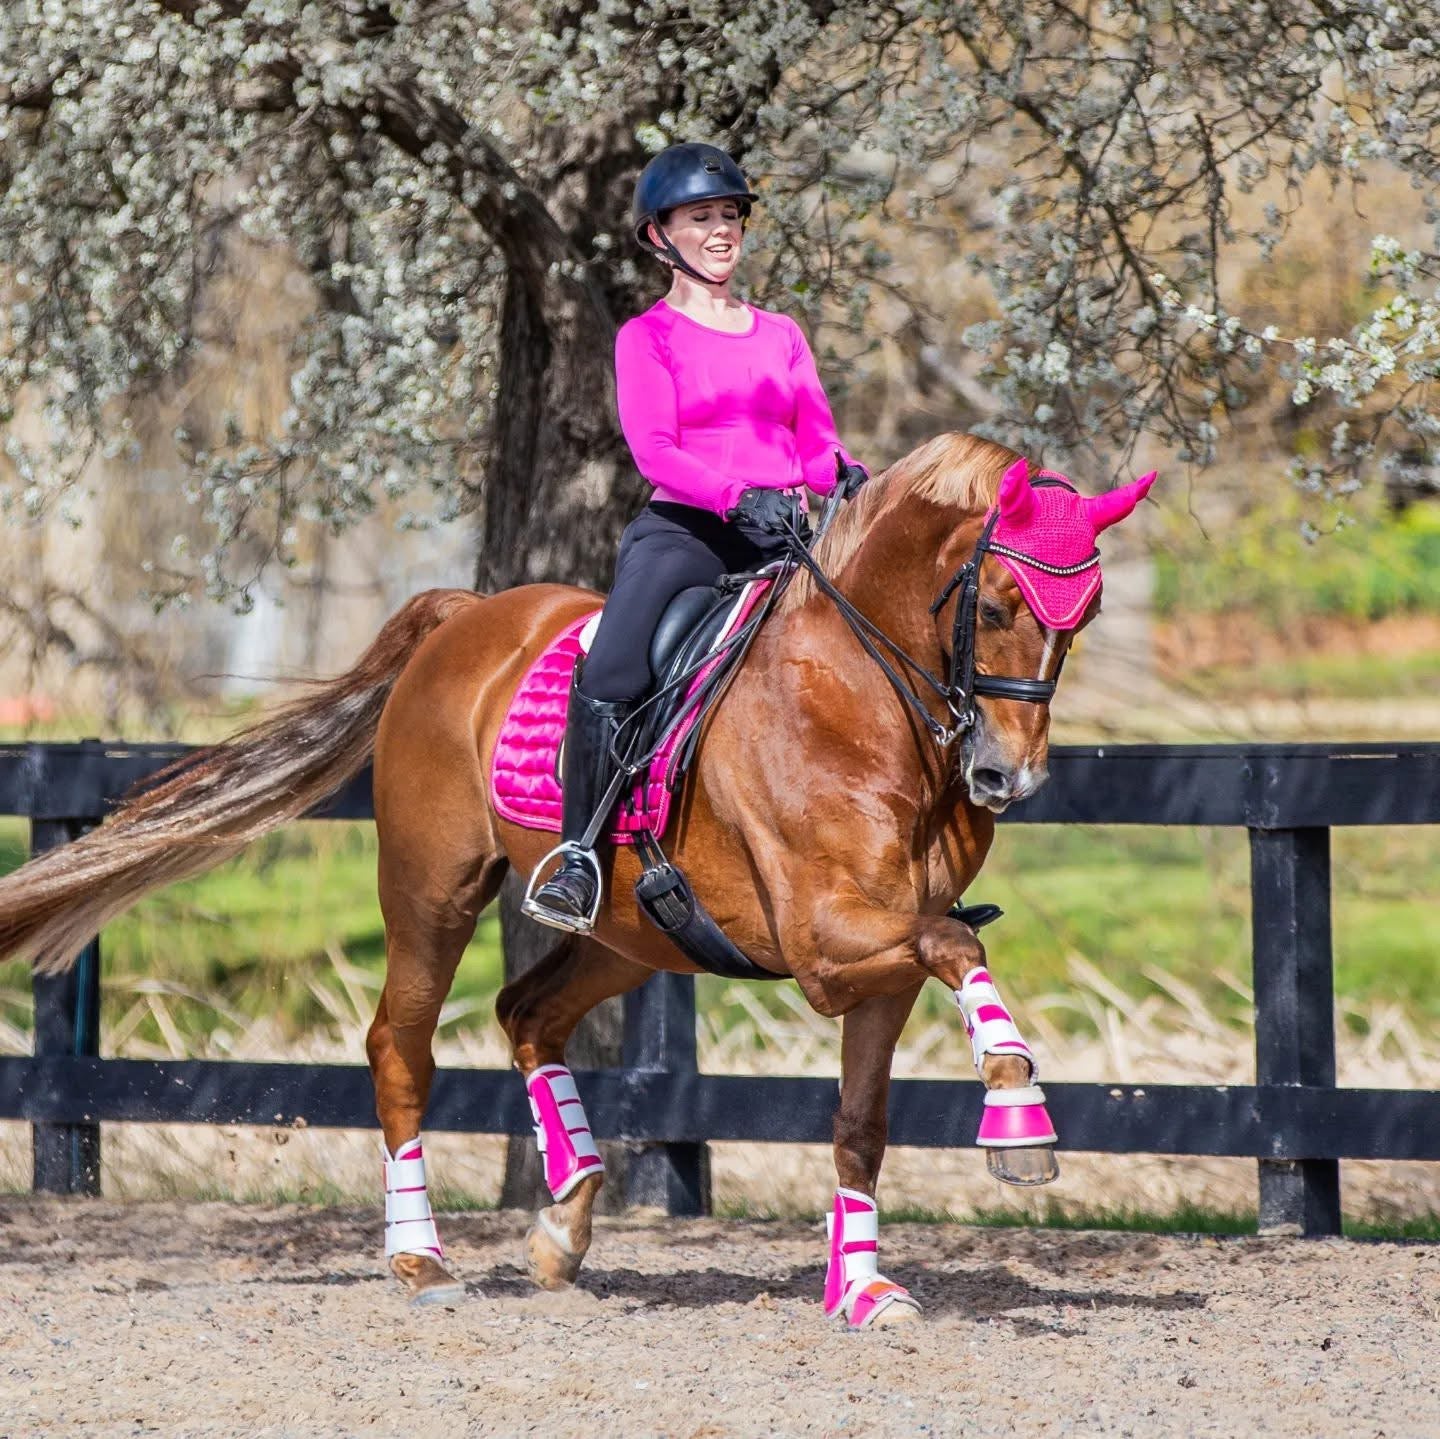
[[679, 261]]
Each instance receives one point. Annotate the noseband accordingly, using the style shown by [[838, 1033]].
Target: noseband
[[963, 684]]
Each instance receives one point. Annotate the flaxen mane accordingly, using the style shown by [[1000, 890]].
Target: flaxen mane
[[952, 469]]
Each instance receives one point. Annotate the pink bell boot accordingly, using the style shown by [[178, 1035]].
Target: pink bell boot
[[1014, 1119]]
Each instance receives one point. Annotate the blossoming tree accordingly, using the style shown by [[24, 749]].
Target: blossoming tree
[[453, 175]]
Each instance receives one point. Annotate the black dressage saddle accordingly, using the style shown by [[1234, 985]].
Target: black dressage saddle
[[691, 623]]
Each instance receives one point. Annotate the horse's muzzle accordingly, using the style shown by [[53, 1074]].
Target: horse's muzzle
[[996, 788]]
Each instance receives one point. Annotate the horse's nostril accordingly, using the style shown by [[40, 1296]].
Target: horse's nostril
[[993, 781]]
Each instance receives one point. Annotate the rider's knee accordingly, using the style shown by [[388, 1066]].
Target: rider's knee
[[613, 683]]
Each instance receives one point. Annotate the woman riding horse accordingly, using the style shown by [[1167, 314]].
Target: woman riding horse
[[725, 415], [912, 666]]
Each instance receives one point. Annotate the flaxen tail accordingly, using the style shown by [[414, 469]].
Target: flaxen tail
[[208, 806]]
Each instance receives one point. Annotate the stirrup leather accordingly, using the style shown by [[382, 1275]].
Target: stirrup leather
[[532, 907]]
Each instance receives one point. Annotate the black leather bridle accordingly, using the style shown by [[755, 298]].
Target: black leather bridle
[[963, 684]]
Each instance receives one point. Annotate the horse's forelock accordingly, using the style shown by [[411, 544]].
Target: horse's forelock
[[960, 471]]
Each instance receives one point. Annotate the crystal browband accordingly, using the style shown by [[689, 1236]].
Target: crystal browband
[[1086, 564]]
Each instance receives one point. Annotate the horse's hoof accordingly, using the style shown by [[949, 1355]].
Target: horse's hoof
[[882, 1302], [426, 1280], [897, 1313], [551, 1265]]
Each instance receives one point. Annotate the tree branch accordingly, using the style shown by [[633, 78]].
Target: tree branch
[[484, 181]]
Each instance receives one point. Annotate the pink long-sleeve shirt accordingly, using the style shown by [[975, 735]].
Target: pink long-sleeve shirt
[[708, 414]]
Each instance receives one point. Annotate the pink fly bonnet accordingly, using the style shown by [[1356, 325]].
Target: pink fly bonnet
[[1045, 536]]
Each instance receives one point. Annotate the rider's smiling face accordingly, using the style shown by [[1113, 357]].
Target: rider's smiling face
[[708, 234]]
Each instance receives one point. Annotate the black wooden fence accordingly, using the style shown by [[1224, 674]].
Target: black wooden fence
[[1293, 1120]]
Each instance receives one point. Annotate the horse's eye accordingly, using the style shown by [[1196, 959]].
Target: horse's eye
[[994, 614]]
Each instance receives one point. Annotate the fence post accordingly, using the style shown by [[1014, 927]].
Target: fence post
[[660, 1038], [1294, 1011], [67, 1022]]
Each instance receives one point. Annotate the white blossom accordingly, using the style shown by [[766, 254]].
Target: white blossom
[[1097, 156]]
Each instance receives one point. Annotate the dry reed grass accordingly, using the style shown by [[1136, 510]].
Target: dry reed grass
[[1172, 1036]]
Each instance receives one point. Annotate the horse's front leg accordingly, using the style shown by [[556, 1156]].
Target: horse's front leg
[[854, 1285], [1016, 1132], [867, 951]]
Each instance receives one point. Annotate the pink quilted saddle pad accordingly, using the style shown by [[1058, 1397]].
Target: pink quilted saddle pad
[[524, 786]]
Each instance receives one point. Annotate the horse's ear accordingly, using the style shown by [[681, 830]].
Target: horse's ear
[[1110, 508], [1016, 498]]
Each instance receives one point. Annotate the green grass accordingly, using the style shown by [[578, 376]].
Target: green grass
[[1380, 564], [186, 719], [1144, 906], [1343, 676], [1425, 1227]]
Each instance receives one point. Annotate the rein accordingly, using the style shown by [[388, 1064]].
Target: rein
[[962, 685]]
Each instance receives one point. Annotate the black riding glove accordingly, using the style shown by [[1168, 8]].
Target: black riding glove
[[771, 512], [848, 478]]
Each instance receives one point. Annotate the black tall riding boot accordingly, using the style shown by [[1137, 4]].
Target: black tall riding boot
[[568, 899]]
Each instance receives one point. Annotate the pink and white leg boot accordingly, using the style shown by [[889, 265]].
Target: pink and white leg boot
[[1016, 1131], [562, 1131], [854, 1285], [409, 1224]]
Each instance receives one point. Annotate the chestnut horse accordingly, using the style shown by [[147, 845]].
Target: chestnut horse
[[822, 824]]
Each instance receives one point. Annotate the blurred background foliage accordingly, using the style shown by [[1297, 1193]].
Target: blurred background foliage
[[1376, 562]]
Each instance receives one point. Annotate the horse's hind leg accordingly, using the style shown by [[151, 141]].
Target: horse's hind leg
[[431, 896], [539, 1012]]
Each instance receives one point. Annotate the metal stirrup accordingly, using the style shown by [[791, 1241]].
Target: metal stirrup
[[584, 850], [575, 924]]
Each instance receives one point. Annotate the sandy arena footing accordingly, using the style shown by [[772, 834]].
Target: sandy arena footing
[[218, 1319]]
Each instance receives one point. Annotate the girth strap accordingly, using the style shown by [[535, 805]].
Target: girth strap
[[667, 899]]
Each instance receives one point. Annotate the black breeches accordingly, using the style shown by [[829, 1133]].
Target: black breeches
[[665, 549]]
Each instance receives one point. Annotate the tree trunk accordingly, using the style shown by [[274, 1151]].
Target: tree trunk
[[559, 484], [559, 490]]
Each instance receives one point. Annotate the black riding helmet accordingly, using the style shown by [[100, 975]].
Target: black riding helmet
[[683, 175]]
